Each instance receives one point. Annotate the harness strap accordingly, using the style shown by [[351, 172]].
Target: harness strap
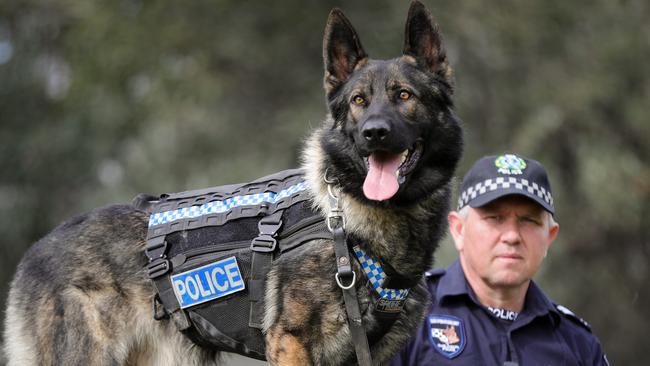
[[159, 266], [345, 273], [263, 248], [164, 302]]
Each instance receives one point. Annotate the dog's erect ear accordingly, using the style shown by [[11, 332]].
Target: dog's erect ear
[[423, 42], [342, 50]]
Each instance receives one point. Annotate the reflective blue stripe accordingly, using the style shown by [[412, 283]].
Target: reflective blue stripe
[[377, 277], [223, 206]]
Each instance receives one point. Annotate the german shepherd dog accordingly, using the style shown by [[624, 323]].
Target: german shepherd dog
[[390, 144]]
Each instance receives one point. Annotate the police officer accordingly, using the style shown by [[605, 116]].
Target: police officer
[[486, 309]]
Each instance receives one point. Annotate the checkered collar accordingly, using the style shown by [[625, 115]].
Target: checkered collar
[[377, 276]]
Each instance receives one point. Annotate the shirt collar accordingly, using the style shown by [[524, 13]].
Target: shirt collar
[[537, 304], [453, 283]]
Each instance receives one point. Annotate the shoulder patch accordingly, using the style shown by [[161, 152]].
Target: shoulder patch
[[447, 334], [571, 315], [435, 272]]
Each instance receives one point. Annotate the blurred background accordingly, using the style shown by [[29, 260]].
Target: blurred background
[[101, 100]]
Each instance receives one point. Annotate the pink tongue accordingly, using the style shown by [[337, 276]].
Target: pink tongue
[[381, 182]]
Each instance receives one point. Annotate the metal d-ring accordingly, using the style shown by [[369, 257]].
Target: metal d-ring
[[329, 180], [338, 281]]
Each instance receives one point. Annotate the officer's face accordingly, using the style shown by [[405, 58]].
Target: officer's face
[[502, 244]]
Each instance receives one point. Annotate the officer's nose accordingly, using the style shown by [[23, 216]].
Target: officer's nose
[[510, 232]]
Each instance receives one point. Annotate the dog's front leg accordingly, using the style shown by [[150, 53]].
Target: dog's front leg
[[290, 311], [284, 348], [303, 316]]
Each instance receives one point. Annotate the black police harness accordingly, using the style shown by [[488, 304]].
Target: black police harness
[[210, 251]]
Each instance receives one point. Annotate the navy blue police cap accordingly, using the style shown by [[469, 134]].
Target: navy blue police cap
[[495, 176]]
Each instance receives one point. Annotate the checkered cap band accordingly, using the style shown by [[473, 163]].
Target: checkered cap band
[[223, 206], [377, 277], [510, 183]]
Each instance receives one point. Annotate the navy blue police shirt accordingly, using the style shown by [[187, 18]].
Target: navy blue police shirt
[[458, 330]]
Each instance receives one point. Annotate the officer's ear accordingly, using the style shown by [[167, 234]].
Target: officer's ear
[[553, 229], [456, 223]]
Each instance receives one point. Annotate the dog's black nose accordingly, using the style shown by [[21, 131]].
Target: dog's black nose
[[375, 130]]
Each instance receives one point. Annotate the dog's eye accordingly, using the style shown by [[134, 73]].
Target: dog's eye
[[359, 100], [404, 95]]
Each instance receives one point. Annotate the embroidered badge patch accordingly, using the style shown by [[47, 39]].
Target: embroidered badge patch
[[510, 164], [447, 334]]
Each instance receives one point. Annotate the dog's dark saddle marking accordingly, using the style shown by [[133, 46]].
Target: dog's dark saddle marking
[[249, 224], [210, 251]]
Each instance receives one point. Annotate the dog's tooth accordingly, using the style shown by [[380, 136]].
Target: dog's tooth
[[405, 155]]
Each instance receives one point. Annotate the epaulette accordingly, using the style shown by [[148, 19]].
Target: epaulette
[[433, 273], [571, 315]]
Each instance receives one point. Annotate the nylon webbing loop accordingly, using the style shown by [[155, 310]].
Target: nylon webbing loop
[[263, 247]]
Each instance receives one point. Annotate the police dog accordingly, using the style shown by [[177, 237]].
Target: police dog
[[389, 147]]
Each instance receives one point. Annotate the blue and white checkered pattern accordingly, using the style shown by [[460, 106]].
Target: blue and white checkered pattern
[[223, 206], [377, 277], [490, 185]]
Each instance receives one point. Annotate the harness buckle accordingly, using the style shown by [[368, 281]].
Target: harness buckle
[[156, 248], [156, 251], [268, 227], [158, 268], [264, 243]]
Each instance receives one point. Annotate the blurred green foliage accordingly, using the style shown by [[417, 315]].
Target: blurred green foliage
[[101, 100]]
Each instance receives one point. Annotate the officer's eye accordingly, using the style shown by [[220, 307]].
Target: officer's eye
[[492, 218], [531, 220], [404, 95], [358, 100]]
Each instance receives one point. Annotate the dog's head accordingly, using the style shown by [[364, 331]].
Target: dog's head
[[394, 137]]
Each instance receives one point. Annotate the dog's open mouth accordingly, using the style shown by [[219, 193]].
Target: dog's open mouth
[[387, 171]]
